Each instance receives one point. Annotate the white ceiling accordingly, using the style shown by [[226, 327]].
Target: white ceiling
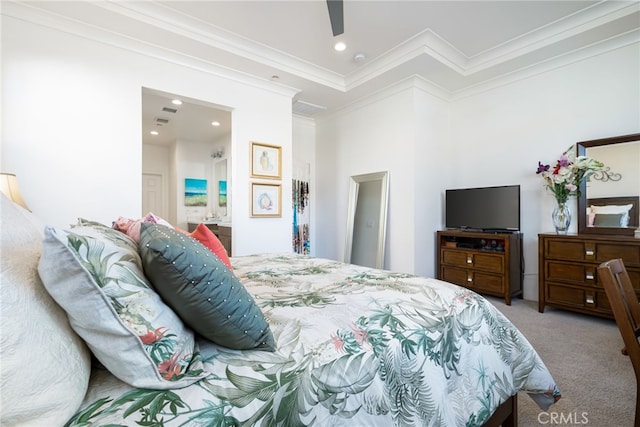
[[455, 47], [191, 121]]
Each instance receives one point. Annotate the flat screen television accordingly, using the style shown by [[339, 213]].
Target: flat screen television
[[483, 209]]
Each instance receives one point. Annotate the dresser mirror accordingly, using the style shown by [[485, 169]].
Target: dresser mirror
[[608, 203]]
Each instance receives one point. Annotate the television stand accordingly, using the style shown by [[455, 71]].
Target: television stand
[[485, 262]]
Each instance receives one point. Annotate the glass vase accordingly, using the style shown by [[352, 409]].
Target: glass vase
[[561, 217]]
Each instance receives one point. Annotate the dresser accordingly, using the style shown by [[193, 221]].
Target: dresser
[[222, 232], [487, 263], [567, 270]]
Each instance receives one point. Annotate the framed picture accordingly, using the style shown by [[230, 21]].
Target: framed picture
[[266, 200], [266, 160], [195, 192]]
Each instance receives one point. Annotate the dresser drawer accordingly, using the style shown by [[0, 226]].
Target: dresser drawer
[[573, 250], [630, 254], [490, 283], [568, 270], [582, 273], [571, 272], [592, 251], [473, 279], [454, 275], [491, 262], [590, 298]]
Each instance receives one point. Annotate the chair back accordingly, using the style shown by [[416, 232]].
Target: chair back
[[624, 304], [622, 298]]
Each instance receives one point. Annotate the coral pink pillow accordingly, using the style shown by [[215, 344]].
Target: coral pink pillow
[[205, 236]]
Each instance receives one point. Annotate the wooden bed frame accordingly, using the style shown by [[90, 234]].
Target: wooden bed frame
[[506, 415], [633, 200]]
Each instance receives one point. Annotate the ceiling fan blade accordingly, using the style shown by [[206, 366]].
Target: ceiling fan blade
[[336, 16]]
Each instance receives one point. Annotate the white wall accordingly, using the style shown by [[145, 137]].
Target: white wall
[[401, 131], [433, 165], [500, 135], [494, 137], [71, 112]]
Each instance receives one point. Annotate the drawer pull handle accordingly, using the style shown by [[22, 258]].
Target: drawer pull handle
[[589, 252], [590, 299], [469, 260], [469, 279], [589, 276]]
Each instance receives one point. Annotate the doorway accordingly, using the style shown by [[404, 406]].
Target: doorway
[[367, 219], [153, 195], [182, 138]]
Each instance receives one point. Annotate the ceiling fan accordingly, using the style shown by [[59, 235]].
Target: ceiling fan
[[336, 16]]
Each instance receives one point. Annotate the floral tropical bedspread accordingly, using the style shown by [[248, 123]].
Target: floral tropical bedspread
[[354, 346]]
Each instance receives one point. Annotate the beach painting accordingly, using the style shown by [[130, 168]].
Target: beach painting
[[195, 192]]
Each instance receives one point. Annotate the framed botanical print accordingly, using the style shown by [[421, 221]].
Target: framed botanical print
[[266, 160], [266, 200]]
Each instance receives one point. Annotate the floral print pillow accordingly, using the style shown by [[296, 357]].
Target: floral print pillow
[[95, 274]]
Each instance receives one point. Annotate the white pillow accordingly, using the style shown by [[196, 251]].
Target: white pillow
[[45, 366], [95, 273], [614, 209]]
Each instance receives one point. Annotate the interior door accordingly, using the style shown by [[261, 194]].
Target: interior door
[[153, 195]]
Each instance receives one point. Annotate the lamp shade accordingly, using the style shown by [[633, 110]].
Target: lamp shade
[[9, 187]]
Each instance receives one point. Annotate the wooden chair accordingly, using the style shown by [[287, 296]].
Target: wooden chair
[[624, 304]]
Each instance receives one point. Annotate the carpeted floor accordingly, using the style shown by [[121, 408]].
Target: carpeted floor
[[582, 352]]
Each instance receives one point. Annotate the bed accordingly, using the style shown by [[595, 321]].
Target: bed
[[354, 346], [91, 336]]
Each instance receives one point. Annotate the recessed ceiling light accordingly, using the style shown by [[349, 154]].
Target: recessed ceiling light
[[215, 123], [340, 46], [176, 102], [154, 132]]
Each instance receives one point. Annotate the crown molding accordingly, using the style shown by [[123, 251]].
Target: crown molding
[[627, 39], [169, 19], [428, 43], [431, 44], [408, 83], [418, 82], [582, 21], [45, 18]]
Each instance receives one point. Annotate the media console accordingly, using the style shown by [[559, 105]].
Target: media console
[[485, 262]]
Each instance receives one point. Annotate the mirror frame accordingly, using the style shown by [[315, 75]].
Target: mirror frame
[[354, 187], [581, 148]]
